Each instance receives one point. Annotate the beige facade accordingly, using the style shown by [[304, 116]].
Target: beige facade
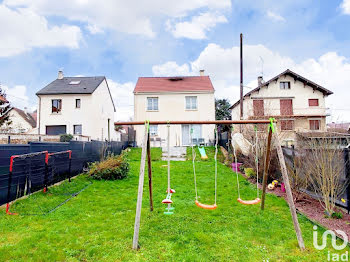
[[95, 115], [172, 107], [305, 115]]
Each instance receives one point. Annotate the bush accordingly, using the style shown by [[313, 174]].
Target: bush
[[66, 137], [249, 172], [113, 168]]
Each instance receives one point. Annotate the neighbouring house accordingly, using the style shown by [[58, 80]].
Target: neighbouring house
[[81, 106], [21, 121], [297, 103], [343, 127], [187, 98]]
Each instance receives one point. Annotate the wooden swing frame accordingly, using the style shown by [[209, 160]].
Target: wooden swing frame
[[146, 153]]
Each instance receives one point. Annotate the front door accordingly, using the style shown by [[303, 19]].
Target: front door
[[186, 133]]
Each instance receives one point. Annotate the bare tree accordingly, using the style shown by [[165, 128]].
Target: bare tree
[[297, 175], [325, 164]]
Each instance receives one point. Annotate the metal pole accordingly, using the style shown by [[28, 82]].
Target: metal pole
[[149, 164], [168, 159], [266, 168], [347, 173]]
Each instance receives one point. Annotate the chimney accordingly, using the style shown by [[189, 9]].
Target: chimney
[[60, 74], [260, 80], [25, 110], [201, 72]]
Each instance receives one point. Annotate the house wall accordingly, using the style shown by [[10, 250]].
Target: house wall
[[300, 95], [19, 124], [93, 114], [172, 108]]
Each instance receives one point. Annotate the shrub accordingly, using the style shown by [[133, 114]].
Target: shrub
[[337, 215], [250, 172], [113, 168], [66, 137]]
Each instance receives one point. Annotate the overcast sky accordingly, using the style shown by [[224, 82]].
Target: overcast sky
[[123, 40]]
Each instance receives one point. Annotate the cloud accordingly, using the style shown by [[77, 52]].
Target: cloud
[[197, 27], [132, 17], [18, 97], [23, 29], [275, 17], [171, 68], [123, 98], [345, 6], [222, 65]]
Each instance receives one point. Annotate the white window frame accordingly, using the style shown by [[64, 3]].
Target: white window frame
[[154, 104], [81, 129], [284, 85], [76, 100], [153, 130], [59, 106], [193, 103], [320, 123]]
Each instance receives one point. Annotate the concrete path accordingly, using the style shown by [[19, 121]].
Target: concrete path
[[176, 153]]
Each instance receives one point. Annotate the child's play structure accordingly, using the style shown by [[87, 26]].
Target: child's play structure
[[204, 206], [146, 154], [201, 151]]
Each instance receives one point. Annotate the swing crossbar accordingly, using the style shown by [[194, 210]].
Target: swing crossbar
[[216, 122]]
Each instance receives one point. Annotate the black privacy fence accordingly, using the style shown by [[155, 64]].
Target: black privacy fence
[[290, 153], [27, 168]]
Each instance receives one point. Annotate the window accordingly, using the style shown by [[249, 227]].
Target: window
[[258, 107], [315, 124], [74, 82], [77, 103], [152, 103], [153, 130], [313, 102], [287, 125], [77, 129], [56, 105], [191, 103], [285, 85], [286, 107]]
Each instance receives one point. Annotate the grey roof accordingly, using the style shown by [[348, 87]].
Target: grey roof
[[325, 91], [87, 85]]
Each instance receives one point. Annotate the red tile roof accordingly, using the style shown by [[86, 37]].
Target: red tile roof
[[174, 84]]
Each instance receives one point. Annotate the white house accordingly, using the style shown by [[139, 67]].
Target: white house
[[78, 106], [21, 121], [187, 98], [297, 103]]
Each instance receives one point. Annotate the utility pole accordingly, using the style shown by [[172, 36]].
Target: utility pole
[[241, 80]]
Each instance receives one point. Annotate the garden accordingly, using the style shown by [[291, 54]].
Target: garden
[[97, 224]]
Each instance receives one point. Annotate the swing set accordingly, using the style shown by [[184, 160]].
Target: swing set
[[146, 153]]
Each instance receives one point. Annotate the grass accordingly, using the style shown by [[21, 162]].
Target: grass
[[97, 225]]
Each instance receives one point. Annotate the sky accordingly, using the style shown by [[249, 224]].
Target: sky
[[124, 40]]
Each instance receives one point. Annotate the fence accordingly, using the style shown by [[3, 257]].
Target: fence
[[290, 153], [31, 169]]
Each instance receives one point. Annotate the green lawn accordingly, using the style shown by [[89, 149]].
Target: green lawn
[[97, 225]]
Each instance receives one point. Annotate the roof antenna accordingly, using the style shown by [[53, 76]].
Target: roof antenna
[[262, 66]]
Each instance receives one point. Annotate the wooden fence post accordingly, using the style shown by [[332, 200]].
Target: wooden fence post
[[289, 192], [266, 168], [135, 242]]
